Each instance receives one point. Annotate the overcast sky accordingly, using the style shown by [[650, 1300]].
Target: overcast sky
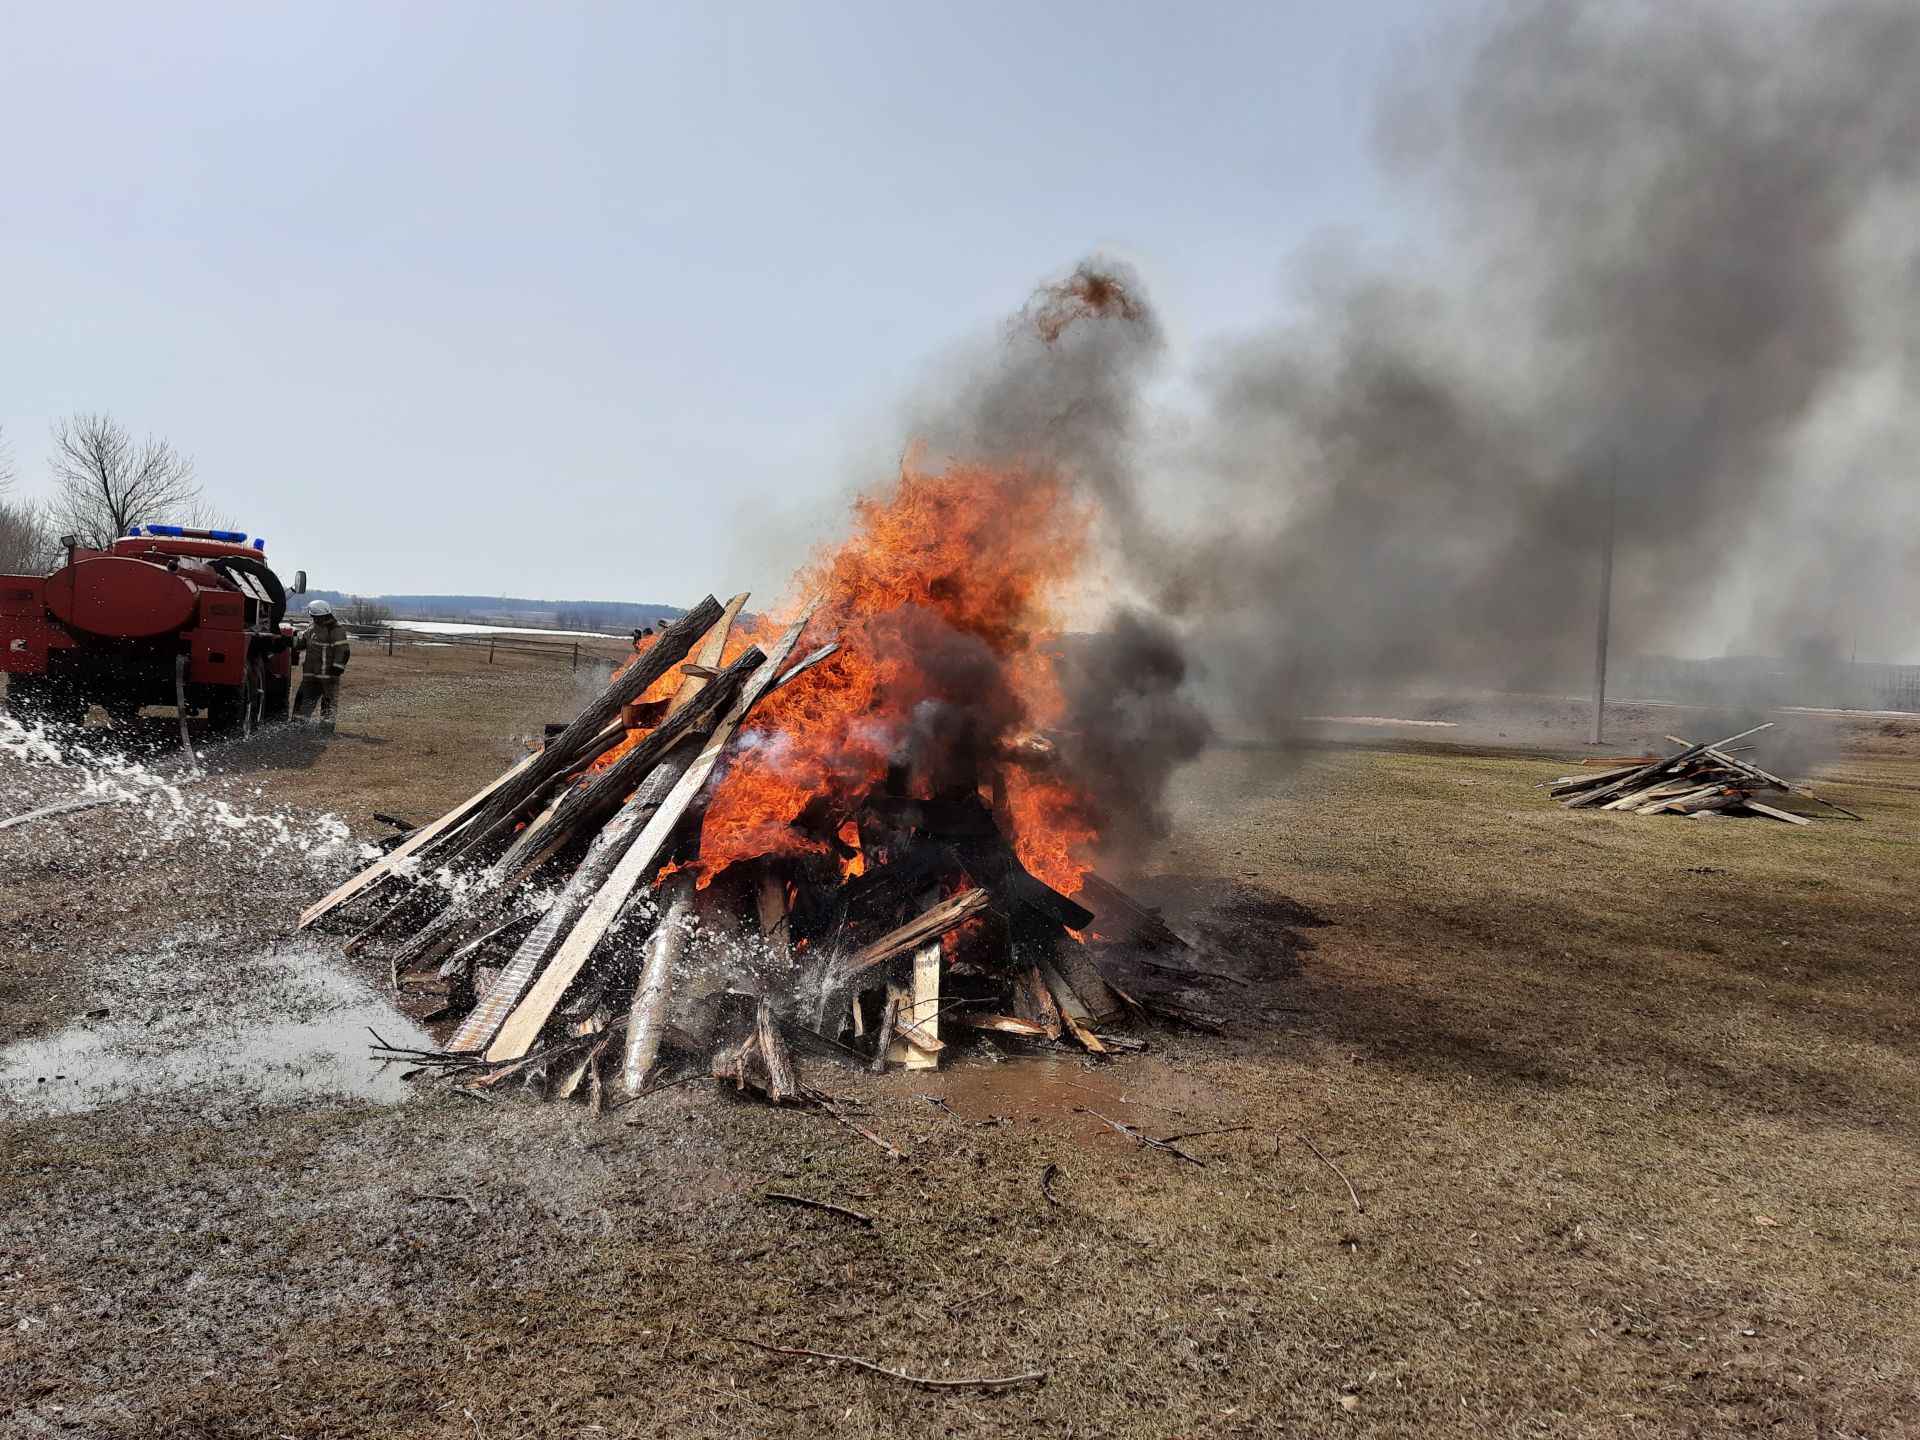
[[611, 302]]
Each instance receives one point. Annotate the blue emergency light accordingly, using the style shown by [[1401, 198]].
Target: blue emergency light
[[181, 532]]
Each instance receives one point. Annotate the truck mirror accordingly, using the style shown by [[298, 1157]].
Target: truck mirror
[[299, 582]]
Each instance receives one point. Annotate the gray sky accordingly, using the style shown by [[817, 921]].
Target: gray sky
[[610, 302]]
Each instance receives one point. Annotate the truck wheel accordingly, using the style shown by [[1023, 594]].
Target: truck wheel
[[257, 684], [231, 711]]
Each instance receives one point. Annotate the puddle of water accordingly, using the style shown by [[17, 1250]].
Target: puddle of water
[[1054, 1089], [269, 1030]]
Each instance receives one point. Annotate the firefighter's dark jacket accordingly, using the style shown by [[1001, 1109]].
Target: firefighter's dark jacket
[[325, 647]]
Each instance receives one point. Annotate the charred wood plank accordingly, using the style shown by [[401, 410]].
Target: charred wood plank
[[930, 924], [1128, 918]]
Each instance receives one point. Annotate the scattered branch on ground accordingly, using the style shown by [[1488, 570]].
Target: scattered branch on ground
[[811, 1204], [925, 1382]]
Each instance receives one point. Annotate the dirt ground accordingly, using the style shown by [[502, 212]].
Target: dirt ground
[[1628, 1108]]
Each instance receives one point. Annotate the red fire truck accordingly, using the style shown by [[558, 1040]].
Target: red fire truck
[[164, 616]]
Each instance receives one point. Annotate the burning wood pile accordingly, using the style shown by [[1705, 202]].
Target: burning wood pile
[[1700, 780], [870, 848]]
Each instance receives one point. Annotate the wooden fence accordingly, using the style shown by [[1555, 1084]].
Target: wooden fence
[[573, 651]]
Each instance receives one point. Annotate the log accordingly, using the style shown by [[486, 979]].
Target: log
[[883, 1046], [930, 924], [782, 1084], [1073, 1013], [1102, 1005], [639, 862], [665, 948], [1033, 1003]]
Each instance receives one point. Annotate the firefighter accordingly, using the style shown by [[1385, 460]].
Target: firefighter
[[325, 650]]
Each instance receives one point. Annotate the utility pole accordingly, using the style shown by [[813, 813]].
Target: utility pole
[[1606, 598]]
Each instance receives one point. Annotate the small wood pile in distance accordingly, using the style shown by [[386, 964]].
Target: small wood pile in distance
[[557, 911], [1700, 780]]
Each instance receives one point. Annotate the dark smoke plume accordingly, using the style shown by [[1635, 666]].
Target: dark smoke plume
[[1672, 256], [1670, 262]]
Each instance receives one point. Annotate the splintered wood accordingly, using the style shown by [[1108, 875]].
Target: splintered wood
[[1701, 780], [586, 947]]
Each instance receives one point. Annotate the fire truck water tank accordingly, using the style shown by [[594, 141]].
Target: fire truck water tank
[[120, 599]]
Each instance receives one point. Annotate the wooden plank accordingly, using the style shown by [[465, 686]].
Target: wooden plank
[[1005, 1024], [414, 843], [639, 862], [586, 807], [483, 1022], [1653, 772], [930, 924], [922, 1022], [1773, 814], [708, 656], [1680, 797]]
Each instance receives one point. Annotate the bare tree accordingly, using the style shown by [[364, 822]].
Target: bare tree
[[104, 480], [25, 544]]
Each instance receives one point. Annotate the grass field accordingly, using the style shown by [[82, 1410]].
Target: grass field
[[1630, 1109]]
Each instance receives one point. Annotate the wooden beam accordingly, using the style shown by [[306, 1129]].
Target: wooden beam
[[1004, 1024], [1773, 814], [931, 924], [922, 1023]]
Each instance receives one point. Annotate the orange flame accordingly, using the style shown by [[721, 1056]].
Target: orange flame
[[943, 601]]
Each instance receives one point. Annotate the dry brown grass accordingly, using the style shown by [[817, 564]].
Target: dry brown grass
[[1630, 1105]]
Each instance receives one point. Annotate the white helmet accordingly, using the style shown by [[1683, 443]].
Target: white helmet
[[319, 608]]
